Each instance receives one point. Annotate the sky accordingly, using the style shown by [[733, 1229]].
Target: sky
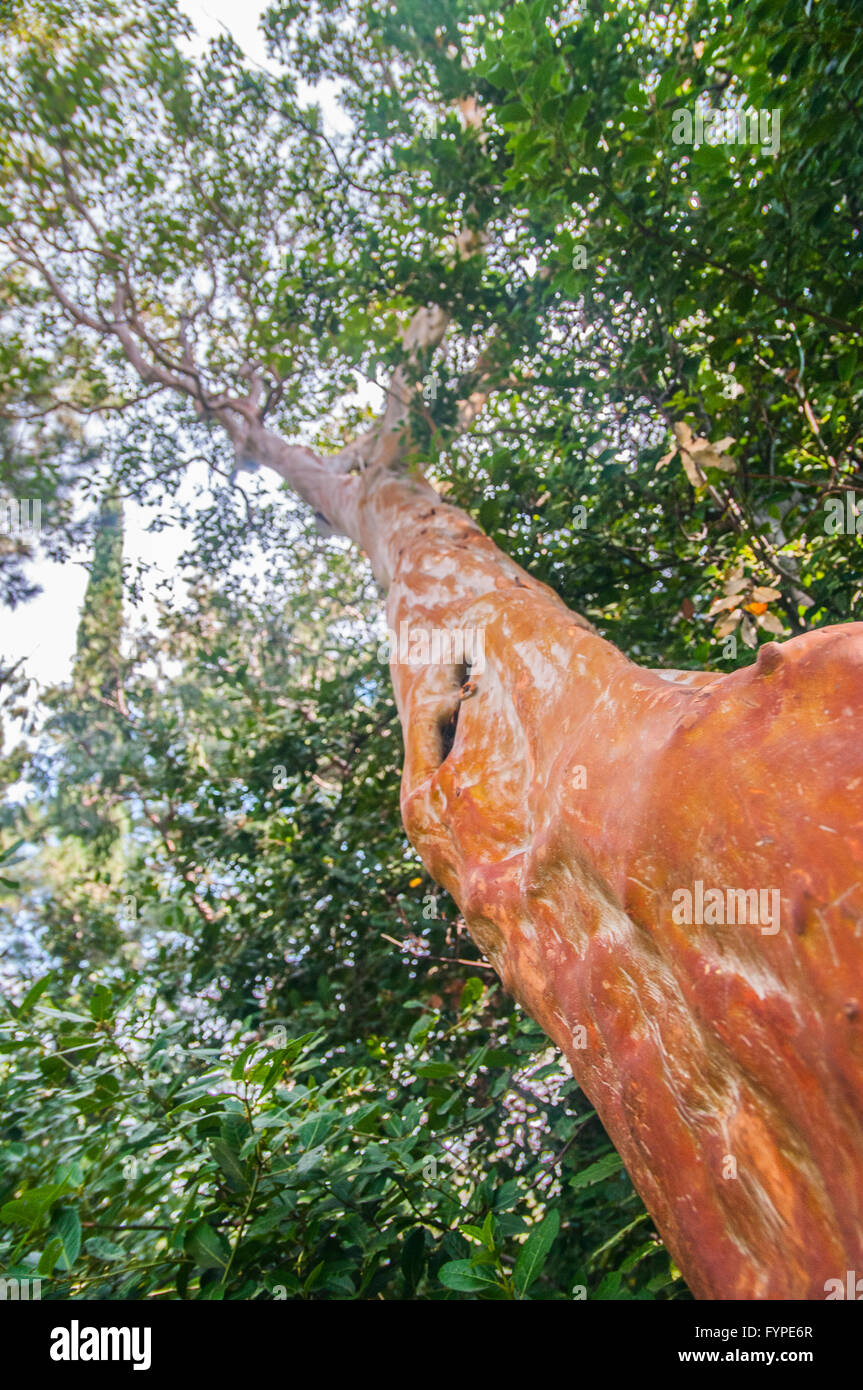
[[239, 17], [43, 631]]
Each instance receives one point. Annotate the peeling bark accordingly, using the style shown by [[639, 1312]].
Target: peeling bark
[[561, 795]]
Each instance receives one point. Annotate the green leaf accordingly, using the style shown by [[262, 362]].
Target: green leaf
[[30, 1206], [667, 86], [413, 1257], [313, 1132], [507, 1196], [534, 1253], [597, 1172], [619, 1235], [513, 114], [609, 1288], [230, 1164], [34, 992], [239, 1065], [234, 1129], [465, 1277], [576, 111], [635, 155], [67, 1225], [50, 1255], [311, 1159], [473, 990], [101, 1002], [484, 1233], [207, 1247], [436, 1070]]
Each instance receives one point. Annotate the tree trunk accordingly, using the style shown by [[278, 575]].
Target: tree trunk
[[562, 795]]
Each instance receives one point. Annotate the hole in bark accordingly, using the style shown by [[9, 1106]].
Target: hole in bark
[[448, 719], [447, 734]]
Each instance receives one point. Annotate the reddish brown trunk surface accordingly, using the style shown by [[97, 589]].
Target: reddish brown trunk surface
[[708, 1050]]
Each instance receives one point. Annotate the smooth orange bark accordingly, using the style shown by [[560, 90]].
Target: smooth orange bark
[[562, 795]]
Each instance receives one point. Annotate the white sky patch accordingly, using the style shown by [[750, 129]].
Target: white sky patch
[[239, 17], [43, 632]]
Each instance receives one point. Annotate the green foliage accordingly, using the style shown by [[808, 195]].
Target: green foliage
[[716, 286], [146, 1162]]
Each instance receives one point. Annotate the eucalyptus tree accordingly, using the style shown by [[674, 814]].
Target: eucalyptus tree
[[508, 235]]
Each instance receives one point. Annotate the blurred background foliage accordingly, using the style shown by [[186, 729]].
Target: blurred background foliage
[[248, 1050]]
